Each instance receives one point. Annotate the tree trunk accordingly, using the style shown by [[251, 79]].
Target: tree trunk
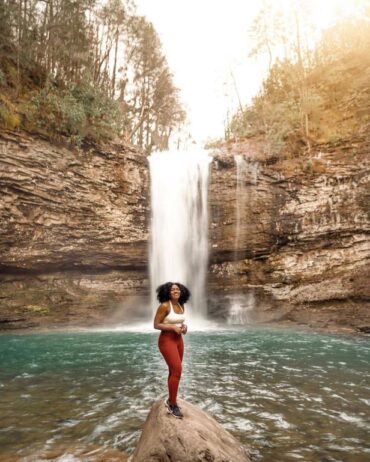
[[115, 63]]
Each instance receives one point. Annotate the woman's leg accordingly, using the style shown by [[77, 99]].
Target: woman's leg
[[172, 353], [180, 347]]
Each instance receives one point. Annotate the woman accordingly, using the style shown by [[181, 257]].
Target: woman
[[170, 320]]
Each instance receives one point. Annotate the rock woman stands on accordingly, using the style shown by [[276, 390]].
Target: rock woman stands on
[[170, 320]]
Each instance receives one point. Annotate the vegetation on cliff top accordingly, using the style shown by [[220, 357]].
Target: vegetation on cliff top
[[312, 93], [82, 70]]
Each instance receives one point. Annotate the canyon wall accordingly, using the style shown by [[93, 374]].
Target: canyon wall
[[73, 232], [303, 246], [289, 242]]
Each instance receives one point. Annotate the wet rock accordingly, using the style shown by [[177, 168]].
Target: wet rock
[[364, 329], [195, 438]]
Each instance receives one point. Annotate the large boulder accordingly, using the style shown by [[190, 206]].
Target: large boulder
[[195, 438]]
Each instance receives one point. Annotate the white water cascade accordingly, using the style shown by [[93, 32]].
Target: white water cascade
[[246, 172], [241, 305], [240, 170], [179, 227]]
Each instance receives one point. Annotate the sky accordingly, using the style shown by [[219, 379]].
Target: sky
[[207, 46], [205, 42]]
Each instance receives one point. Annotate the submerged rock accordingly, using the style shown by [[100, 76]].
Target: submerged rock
[[195, 438], [364, 329]]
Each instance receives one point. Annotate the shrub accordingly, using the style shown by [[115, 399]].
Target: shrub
[[2, 78], [323, 98], [76, 113], [9, 117]]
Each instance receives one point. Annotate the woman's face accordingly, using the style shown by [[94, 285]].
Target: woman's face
[[175, 292]]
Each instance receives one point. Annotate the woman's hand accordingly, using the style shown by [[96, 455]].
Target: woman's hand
[[184, 328], [177, 329]]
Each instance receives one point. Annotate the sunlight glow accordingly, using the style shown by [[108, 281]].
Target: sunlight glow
[[207, 45], [327, 12]]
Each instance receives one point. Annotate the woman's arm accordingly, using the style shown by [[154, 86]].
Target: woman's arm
[[162, 312]]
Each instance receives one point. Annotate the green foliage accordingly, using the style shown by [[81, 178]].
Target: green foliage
[[75, 112], [2, 78], [39, 309], [87, 70], [244, 123], [322, 97], [283, 122], [153, 107], [57, 112], [9, 117], [308, 166], [102, 113]]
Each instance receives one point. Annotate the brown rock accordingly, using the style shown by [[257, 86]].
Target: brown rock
[[303, 243], [195, 438], [73, 231], [74, 227]]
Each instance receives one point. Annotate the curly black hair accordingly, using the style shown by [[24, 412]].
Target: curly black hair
[[164, 292]]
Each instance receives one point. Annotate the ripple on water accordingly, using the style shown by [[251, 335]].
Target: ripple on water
[[290, 396], [277, 419]]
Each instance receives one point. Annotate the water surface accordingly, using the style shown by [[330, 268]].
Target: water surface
[[288, 395]]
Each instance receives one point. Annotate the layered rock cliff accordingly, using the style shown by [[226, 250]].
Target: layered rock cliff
[[302, 248], [73, 231], [289, 239]]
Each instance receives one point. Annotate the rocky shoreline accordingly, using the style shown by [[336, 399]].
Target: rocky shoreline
[[362, 331]]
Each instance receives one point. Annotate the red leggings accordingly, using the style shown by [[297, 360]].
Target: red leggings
[[171, 345]]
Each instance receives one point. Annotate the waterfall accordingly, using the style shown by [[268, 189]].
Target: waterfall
[[241, 305], [246, 172], [179, 225], [239, 191], [240, 308]]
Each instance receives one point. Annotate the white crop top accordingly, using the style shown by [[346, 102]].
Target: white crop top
[[174, 318]]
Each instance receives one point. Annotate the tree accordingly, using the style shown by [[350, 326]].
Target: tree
[[267, 31], [153, 108], [90, 70]]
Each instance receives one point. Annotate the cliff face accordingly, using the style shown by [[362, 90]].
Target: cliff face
[[73, 230], [303, 244], [288, 239]]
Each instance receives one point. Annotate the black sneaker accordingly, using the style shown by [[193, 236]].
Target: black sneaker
[[174, 410]]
